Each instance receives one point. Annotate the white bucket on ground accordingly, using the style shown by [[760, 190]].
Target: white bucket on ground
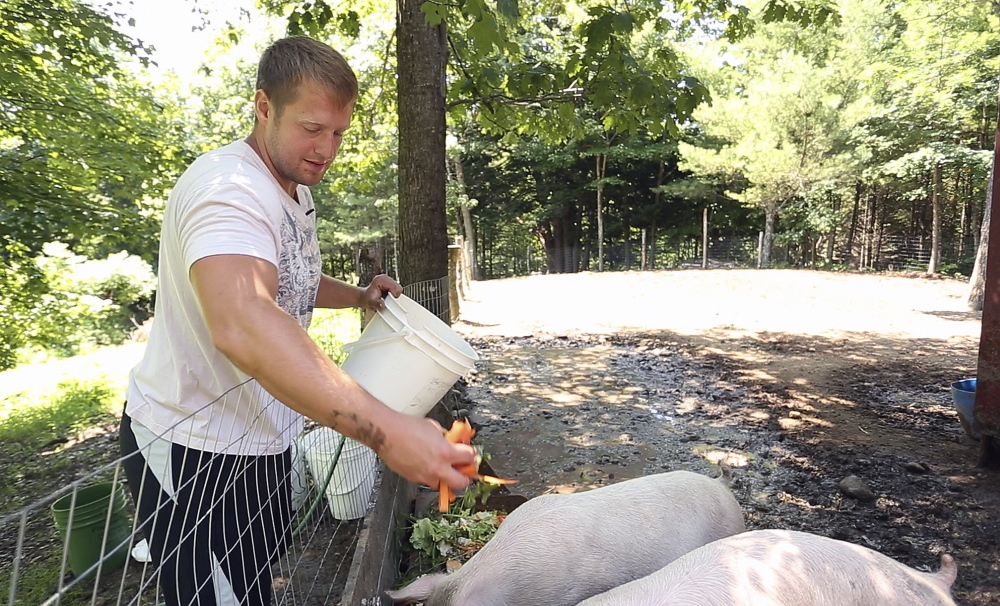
[[407, 357], [297, 473], [350, 488]]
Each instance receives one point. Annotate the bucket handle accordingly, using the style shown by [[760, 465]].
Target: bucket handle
[[347, 347]]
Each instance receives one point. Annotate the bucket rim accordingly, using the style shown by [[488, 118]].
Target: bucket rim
[[65, 502], [968, 385], [395, 307]]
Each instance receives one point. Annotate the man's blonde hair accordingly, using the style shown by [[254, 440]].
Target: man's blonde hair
[[290, 61]]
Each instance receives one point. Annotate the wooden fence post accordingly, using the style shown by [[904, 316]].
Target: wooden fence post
[[454, 261]]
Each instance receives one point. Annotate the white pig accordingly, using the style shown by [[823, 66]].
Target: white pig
[[559, 549], [785, 568]]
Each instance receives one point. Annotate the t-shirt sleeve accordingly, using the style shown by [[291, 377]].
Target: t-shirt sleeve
[[228, 220]]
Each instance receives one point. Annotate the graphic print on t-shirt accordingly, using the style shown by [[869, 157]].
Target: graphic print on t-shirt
[[298, 267]]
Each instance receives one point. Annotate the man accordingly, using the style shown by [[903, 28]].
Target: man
[[229, 369]]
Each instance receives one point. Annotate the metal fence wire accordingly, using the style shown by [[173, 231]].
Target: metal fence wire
[[83, 544], [891, 253]]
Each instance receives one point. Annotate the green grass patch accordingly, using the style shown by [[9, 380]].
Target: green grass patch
[[76, 405], [56, 436], [48, 435], [37, 583]]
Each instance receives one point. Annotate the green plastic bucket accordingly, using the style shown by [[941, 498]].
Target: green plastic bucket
[[89, 525]]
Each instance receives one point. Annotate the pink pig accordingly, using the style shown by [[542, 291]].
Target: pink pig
[[559, 549], [785, 568]]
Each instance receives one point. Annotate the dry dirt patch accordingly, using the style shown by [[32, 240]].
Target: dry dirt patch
[[799, 378]]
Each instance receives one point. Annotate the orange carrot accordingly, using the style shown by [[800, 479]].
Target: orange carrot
[[461, 432], [469, 469], [444, 498], [493, 480]]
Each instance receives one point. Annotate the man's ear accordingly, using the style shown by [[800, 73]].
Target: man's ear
[[262, 106]]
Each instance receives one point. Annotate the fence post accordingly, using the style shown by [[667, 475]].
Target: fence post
[[642, 264], [454, 261], [760, 249], [704, 239]]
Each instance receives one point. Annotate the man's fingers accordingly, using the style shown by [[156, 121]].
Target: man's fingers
[[387, 285], [455, 479], [465, 454]]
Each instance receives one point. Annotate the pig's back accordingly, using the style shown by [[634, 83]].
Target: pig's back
[[782, 568]]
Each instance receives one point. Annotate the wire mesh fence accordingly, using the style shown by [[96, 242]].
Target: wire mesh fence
[[888, 253], [84, 544], [432, 294], [281, 528]]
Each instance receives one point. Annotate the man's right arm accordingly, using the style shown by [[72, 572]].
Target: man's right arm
[[237, 296]]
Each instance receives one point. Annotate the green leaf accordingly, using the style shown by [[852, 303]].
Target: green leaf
[[350, 24], [567, 112], [433, 12], [484, 36], [624, 23]]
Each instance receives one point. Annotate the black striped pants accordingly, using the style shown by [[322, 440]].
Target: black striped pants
[[214, 522]]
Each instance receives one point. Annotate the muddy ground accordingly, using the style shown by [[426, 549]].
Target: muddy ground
[[797, 379]]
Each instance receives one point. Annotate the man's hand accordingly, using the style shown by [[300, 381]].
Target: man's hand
[[415, 448], [372, 296]]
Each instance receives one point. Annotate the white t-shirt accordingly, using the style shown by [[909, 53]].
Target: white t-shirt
[[227, 202]]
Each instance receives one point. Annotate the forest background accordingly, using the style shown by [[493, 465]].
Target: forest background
[[555, 137]]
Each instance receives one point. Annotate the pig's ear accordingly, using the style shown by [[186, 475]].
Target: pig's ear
[[419, 590]]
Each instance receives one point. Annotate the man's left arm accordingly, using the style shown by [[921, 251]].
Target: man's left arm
[[335, 294]]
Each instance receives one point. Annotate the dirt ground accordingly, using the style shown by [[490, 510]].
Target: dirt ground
[[797, 379]]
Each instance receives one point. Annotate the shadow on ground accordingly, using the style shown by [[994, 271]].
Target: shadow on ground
[[794, 414]]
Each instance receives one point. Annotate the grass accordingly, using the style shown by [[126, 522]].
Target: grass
[[59, 423]]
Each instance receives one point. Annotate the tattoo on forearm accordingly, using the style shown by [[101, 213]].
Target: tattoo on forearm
[[368, 433]]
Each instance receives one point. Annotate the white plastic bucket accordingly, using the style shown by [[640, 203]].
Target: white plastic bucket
[[408, 358], [297, 473], [350, 488]]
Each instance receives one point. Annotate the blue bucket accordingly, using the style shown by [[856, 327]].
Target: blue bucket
[[963, 394]]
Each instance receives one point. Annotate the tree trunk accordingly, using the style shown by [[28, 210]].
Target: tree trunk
[[470, 231], [849, 254], [704, 238], [602, 163], [560, 239], [642, 251], [977, 281], [652, 245], [770, 220], [963, 220], [421, 53], [932, 266], [868, 252], [833, 232]]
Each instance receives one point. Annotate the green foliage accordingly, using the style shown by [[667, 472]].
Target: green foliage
[[332, 328], [447, 533], [811, 13], [456, 535], [21, 288], [89, 302], [83, 145], [879, 94]]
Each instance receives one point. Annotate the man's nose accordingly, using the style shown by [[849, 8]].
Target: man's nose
[[326, 146]]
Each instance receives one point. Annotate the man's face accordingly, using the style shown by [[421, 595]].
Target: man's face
[[301, 143]]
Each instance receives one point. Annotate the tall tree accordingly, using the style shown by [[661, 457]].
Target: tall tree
[[515, 90], [421, 55], [83, 145]]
